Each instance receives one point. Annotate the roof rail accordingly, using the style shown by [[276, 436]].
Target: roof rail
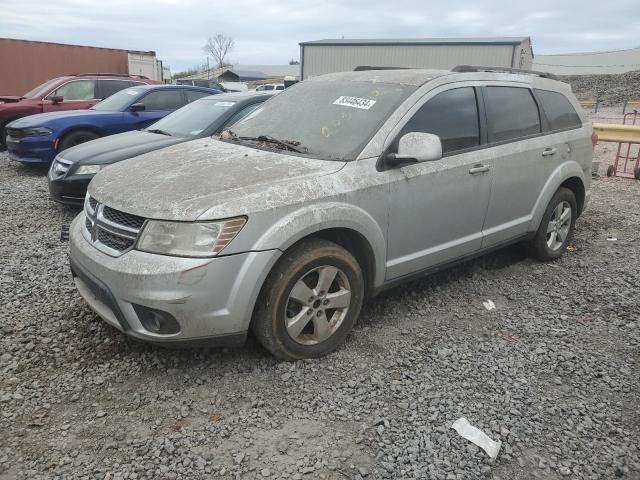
[[476, 68], [108, 75], [363, 68]]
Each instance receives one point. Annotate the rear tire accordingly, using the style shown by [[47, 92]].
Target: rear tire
[[76, 138], [611, 171], [636, 174], [556, 228], [293, 317]]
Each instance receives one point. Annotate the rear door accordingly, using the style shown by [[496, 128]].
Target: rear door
[[76, 95], [158, 104], [523, 159]]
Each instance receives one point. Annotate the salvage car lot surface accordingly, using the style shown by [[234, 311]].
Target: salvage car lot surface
[[552, 371]]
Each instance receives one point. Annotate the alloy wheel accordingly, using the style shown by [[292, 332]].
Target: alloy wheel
[[559, 225], [317, 305]]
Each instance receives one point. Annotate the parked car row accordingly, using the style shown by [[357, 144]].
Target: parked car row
[[71, 92], [330, 192]]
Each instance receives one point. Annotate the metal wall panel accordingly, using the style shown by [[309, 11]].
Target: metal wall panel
[[319, 59], [25, 64]]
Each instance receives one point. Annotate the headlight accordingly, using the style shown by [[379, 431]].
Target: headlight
[[36, 132], [88, 169], [184, 239]]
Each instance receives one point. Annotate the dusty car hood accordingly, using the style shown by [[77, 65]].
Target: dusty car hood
[[114, 148], [183, 181]]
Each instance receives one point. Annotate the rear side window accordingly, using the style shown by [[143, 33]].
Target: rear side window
[[193, 95], [559, 111], [109, 87], [511, 113], [453, 116], [163, 100]]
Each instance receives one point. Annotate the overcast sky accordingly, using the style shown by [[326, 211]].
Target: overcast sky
[[268, 31]]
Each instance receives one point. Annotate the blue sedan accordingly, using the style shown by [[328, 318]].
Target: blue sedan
[[37, 139]]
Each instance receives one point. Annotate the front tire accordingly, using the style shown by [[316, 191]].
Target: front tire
[[310, 301], [76, 138], [556, 228]]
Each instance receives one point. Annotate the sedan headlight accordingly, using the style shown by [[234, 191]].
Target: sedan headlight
[[88, 169], [189, 239], [36, 132]]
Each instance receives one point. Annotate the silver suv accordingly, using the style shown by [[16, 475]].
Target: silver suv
[[341, 186]]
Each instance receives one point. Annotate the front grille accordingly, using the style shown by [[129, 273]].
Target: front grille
[[122, 218], [109, 230], [114, 241]]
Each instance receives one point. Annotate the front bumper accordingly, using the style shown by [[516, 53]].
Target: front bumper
[[31, 150], [212, 299], [69, 189]]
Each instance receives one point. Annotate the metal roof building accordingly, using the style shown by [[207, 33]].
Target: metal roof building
[[590, 63], [339, 55]]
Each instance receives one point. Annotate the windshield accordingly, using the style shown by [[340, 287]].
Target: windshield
[[118, 101], [193, 118], [327, 119], [41, 89]]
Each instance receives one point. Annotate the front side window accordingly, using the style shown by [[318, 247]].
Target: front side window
[[76, 90], [332, 120], [511, 113], [109, 87], [560, 113], [163, 100], [453, 116]]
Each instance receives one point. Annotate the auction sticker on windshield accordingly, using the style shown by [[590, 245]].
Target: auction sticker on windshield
[[355, 102]]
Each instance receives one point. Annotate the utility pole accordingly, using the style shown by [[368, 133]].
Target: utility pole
[[208, 78]]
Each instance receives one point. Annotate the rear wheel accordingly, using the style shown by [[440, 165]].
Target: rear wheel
[[76, 138], [636, 173], [310, 301], [556, 227], [611, 171]]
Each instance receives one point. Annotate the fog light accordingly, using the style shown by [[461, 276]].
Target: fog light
[[157, 321]]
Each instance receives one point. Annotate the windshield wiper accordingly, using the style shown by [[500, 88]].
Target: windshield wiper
[[161, 132], [291, 145]]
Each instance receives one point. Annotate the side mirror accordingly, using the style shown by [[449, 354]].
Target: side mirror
[[416, 147], [56, 99], [137, 107]]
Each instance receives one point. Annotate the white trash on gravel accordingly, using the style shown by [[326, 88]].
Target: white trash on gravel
[[489, 305], [477, 436]]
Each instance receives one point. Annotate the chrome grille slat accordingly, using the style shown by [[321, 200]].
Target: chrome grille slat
[[109, 230]]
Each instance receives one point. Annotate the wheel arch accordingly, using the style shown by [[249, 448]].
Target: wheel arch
[[344, 224], [569, 175], [74, 128]]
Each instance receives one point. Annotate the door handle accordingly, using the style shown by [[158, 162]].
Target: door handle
[[549, 151], [477, 169]]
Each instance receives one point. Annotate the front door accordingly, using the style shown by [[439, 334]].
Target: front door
[[76, 95], [437, 209]]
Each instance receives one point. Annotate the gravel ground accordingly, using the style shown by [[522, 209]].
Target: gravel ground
[[552, 372]]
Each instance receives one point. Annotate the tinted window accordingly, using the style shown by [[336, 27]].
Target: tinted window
[[558, 110], [76, 90], [279, 87], [109, 87], [191, 95], [163, 100], [512, 113], [453, 116]]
